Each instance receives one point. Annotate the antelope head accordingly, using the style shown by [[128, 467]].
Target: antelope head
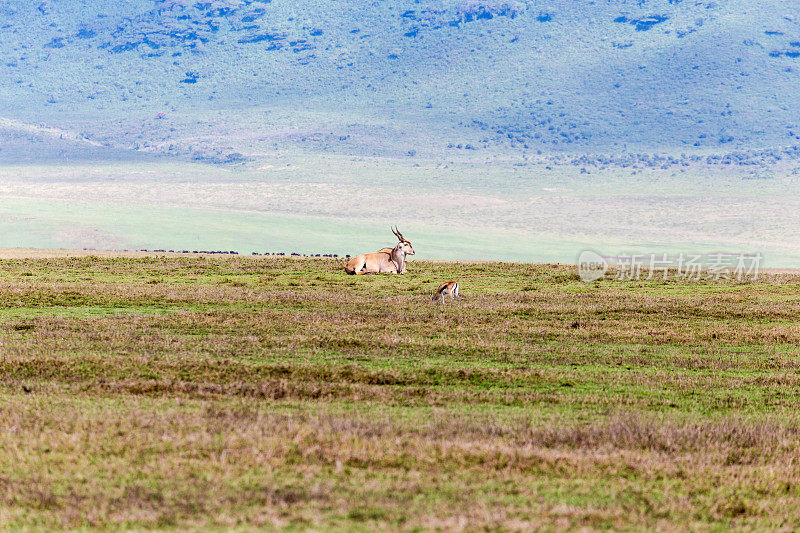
[[403, 245]]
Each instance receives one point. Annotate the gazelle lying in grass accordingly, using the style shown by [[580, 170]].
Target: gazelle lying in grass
[[386, 260], [448, 287]]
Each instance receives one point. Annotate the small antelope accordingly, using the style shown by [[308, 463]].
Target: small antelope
[[448, 287], [386, 260]]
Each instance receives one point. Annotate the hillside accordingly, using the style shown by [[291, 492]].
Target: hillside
[[241, 393], [229, 80]]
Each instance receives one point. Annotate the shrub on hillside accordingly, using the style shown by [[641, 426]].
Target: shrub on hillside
[[485, 9]]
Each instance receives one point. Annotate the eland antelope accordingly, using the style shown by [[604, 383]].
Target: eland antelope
[[387, 260]]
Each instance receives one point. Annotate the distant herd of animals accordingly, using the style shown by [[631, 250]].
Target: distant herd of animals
[[223, 252], [393, 261], [384, 261]]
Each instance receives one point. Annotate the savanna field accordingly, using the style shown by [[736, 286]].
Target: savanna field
[[195, 392]]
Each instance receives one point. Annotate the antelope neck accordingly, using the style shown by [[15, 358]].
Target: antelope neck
[[398, 257]]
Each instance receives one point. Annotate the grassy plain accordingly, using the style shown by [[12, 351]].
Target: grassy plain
[[490, 210], [196, 392]]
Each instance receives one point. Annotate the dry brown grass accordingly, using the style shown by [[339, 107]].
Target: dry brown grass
[[171, 461], [170, 392]]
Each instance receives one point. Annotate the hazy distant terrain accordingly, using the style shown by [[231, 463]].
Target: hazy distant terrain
[[524, 130]]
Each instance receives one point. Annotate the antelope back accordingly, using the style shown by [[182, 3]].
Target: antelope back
[[379, 262]]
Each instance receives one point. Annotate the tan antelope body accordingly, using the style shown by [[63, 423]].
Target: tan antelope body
[[448, 287], [385, 261]]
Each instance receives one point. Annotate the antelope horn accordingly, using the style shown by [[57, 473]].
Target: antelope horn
[[398, 234]]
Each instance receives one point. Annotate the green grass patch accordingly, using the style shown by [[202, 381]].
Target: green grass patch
[[238, 392]]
